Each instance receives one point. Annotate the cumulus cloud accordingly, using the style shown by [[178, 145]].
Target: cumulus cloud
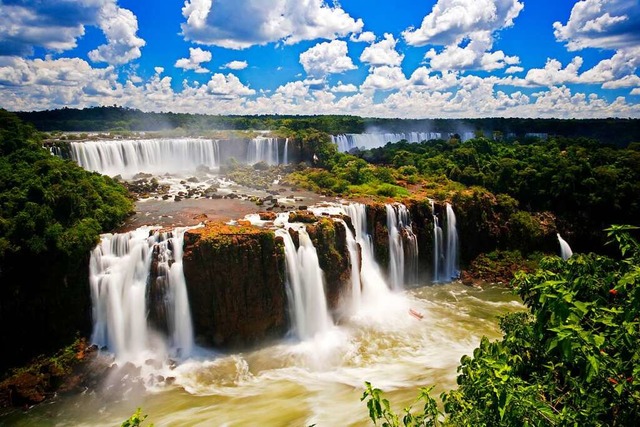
[[344, 88], [52, 25], [239, 24], [227, 86], [194, 62], [119, 27], [384, 78], [514, 69], [466, 29], [553, 74], [56, 26], [609, 24], [635, 91], [327, 58], [236, 65], [382, 53], [364, 37]]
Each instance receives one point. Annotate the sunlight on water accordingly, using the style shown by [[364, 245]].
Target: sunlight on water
[[315, 381]]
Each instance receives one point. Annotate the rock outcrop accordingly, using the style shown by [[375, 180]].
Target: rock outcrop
[[235, 279]]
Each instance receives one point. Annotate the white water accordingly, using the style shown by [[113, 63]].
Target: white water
[[565, 249], [277, 385], [305, 282], [119, 273], [285, 156], [158, 156], [355, 262], [263, 149]]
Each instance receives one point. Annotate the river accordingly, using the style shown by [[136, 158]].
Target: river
[[318, 381]]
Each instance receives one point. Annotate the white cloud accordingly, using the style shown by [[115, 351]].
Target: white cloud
[[635, 91], [626, 81], [466, 30], [384, 78], [119, 27], [327, 58], [609, 24], [623, 63], [514, 69], [293, 90], [194, 62], [553, 73], [452, 20], [227, 86], [382, 53], [52, 25], [364, 37], [423, 79], [235, 65], [239, 24], [344, 88]]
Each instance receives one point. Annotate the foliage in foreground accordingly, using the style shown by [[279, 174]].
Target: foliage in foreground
[[135, 420], [574, 359]]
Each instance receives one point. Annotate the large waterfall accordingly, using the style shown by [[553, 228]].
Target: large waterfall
[[130, 156], [565, 249], [445, 252], [305, 282], [263, 149], [120, 275]]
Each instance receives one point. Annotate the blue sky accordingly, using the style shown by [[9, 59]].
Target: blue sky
[[401, 58]]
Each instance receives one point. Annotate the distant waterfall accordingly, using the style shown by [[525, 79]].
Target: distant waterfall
[[346, 142], [403, 260], [565, 249], [305, 280], [445, 252], [120, 270], [128, 157], [374, 286], [263, 149]]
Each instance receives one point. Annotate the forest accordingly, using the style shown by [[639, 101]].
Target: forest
[[571, 358], [618, 131]]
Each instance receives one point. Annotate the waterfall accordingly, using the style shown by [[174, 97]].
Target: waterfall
[[396, 250], [120, 272], [437, 244], [262, 149], [128, 157], [403, 259], [305, 282], [285, 156], [374, 287], [346, 142], [451, 264], [445, 252], [565, 249]]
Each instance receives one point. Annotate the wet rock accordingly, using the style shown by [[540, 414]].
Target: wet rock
[[193, 179], [177, 198]]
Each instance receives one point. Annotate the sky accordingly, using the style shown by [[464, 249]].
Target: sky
[[372, 58]]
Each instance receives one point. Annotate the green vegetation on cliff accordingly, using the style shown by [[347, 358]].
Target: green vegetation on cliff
[[573, 359], [51, 214]]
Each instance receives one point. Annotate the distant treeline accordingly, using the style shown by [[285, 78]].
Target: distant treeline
[[615, 131]]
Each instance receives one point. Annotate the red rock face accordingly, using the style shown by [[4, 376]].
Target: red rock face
[[236, 283]]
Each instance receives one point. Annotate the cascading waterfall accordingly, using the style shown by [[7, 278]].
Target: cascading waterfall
[[128, 157], [120, 269], [374, 287], [565, 249], [346, 142], [451, 264], [263, 149], [305, 281]]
